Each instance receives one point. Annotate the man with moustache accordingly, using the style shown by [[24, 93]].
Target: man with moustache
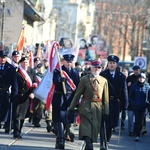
[[94, 104]]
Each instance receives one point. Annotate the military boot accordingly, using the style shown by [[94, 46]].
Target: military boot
[[49, 125], [60, 143], [89, 144]]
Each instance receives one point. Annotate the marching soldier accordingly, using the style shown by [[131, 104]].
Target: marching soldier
[[8, 80], [94, 104], [16, 56], [118, 95], [15, 62], [26, 76], [61, 101]]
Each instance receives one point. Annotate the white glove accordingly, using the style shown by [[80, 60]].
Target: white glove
[[31, 96]]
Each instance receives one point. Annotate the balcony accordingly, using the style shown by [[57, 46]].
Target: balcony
[[30, 13]]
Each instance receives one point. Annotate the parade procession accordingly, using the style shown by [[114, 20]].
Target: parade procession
[[74, 74]]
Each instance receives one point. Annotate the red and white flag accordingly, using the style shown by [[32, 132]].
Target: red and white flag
[[21, 40], [46, 88]]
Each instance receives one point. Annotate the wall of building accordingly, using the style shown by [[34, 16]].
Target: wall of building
[[13, 21]]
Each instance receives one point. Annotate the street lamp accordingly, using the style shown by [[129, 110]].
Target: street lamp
[[2, 22]]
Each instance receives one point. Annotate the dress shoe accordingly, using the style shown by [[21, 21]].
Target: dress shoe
[[17, 135], [54, 131], [49, 128], [72, 136], [60, 144]]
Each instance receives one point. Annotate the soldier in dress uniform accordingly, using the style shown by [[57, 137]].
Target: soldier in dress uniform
[[15, 62], [118, 95], [8, 80], [60, 100], [16, 56], [26, 80], [94, 104]]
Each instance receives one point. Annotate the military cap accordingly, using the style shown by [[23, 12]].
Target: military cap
[[23, 59], [113, 58], [142, 75], [39, 65], [96, 63], [68, 57], [15, 53], [3, 53], [36, 59], [135, 67]]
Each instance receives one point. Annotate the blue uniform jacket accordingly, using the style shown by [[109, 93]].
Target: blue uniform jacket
[[61, 101], [117, 86], [8, 79]]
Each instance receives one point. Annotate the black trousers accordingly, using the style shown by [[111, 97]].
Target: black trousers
[[18, 124]]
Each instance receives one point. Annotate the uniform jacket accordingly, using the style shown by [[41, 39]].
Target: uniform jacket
[[8, 79], [91, 112], [117, 86], [59, 101], [22, 105]]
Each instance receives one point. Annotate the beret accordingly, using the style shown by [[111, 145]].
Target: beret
[[23, 59]]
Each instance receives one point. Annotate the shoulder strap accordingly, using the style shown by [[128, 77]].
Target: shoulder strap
[[93, 87]]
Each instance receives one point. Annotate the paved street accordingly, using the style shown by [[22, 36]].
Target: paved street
[[39, 139]]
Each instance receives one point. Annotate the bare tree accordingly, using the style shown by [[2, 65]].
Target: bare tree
[[125, 22]]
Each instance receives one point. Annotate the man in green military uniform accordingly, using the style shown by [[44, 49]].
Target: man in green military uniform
[[94, 104]]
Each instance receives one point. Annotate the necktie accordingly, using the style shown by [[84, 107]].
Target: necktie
[[112, 75], [1, 68]]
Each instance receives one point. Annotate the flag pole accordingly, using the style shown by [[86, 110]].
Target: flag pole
[[20, 36], [63, 83]]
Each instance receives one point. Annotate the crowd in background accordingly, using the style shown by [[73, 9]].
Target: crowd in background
[[137, 85]]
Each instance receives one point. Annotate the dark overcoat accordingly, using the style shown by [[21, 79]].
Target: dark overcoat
[[58, 102], [118, 95], [22, 104], [8, 88]]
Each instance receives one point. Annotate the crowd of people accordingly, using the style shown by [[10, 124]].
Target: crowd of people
[[98, 93]]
